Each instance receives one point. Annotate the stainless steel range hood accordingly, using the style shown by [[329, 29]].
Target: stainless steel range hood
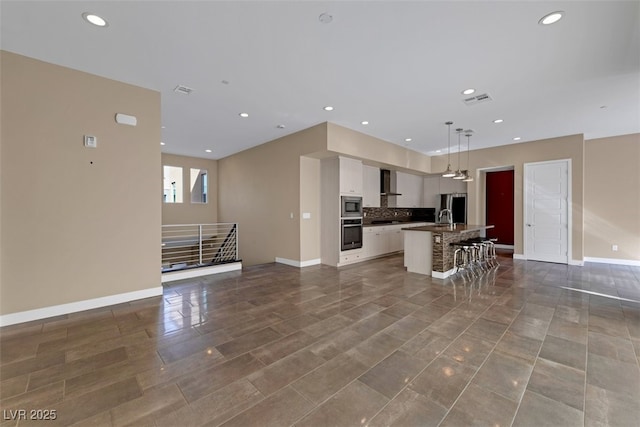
[[385, 184]]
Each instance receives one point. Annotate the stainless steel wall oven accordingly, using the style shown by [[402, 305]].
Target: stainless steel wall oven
[[351, 231]]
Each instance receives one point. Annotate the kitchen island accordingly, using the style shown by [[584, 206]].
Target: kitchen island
[[427, 249]]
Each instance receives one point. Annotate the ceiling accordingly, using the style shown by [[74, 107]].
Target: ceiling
[[399, 65]]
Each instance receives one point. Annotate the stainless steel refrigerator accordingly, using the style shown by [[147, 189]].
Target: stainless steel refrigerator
[[457, 204]]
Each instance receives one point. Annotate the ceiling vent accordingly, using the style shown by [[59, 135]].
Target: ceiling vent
[[183, 89], [477, 99]]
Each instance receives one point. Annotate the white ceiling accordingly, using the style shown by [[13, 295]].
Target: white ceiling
[[399, 65]]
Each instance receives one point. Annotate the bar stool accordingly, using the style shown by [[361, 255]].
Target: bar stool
[[488, 254], [462, 257]]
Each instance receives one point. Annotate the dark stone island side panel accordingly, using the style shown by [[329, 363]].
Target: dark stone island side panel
[[443, 251]]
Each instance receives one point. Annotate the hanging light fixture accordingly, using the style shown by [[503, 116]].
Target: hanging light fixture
[[449, 173], [468, 178], [459, 174]]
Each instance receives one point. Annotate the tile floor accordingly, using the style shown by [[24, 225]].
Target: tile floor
[[531, 344]]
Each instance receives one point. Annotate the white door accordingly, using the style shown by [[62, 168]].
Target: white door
[[546, 219]]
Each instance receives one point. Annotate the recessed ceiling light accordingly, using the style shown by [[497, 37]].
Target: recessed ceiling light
[[408, 140], [94, 19], [225, 82], [603, 107], [163, 127], [245, 115], [364, 122], [438, 151], [468, 91], [328, 108], [517, 138], [551, 18], [208, 151], [498, 121], [161, 143], [280, 126]]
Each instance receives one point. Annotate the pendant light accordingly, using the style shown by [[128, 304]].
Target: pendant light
[[468, 178], [449, 173], [459, 174]]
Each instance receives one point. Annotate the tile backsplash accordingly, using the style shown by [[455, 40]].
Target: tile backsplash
[[398, 214]]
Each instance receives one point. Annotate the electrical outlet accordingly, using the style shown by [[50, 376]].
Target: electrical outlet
[[614, 248]]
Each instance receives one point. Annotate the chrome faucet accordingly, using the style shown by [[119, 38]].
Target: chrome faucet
[[448, 214]]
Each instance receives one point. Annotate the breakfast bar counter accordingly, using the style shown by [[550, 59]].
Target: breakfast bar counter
[[427, 249]]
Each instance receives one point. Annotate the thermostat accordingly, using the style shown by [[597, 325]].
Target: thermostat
[[90, 141]]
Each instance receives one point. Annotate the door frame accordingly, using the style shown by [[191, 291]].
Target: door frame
[[525, 197], [482, 198]]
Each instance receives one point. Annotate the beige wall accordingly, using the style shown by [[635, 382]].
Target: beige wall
[[516, 155], [375, 151], [309, 203], [187, 212], [612, 200], [77, 223], [260, 188]]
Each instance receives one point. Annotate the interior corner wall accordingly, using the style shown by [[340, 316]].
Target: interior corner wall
[[259, 189], [612, 200], [77, 223], [187, 212], [516, 155], [309, 204]]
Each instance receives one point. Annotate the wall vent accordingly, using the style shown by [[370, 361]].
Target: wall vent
[[477, 99], [183, 89]]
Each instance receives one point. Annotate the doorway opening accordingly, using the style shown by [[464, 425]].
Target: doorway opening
[[499, 209]]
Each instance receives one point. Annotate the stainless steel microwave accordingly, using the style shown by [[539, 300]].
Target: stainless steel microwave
[[351, 206]]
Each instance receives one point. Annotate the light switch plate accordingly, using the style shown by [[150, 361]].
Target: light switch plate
[[306, 215]]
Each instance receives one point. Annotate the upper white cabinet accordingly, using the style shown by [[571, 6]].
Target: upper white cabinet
[[450, 185], [436, 185], [371, 184], [350, 176], [410, 186]]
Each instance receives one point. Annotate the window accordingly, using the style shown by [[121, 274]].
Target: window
[[172, 184], [199, 184]]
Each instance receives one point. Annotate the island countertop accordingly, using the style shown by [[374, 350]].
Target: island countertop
[[445, 228]]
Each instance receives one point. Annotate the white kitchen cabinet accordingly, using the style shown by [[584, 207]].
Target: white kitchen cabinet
[[351, 257], [410, 187], [436, 185], [450, 185], [350, 176], [382, 240], [396, 243], [371, 186]]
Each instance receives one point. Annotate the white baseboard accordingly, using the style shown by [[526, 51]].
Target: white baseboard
[[631, 262], [73, 307], [200, 271], [299, 264], [501, 246], [441, 275], [575, 262]]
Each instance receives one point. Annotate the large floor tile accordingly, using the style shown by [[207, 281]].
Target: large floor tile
[[504, 374], [365, 344], [537, 410], [354, 405]]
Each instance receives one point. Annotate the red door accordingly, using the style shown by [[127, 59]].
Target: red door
[[500, 206]]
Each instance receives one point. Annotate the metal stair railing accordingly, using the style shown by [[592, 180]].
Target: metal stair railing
[[197, 245]]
